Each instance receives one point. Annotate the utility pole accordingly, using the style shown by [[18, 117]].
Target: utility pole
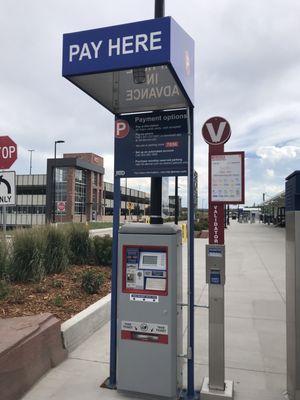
[[156, 182]]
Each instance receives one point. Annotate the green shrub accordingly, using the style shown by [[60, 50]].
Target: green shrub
[[4, 290], [40, 289], [103, 250], [201, 225], [58, 301], [3, 258], [92, 281], [56, 258], [27, 256], [80, 244], [57, 284]]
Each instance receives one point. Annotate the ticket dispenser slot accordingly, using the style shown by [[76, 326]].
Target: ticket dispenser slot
[[215, 264]]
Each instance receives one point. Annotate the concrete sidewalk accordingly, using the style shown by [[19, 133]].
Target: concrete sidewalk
[[255, 326], [101, 232]]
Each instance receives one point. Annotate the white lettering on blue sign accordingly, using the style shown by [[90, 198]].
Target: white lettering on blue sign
[[116, 47], [85, 50]]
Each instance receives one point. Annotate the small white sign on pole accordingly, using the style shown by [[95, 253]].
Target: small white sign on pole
[[227, 177], [7, 188]]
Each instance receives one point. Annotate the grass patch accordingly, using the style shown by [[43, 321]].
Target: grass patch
[[92, 282], [27, 256], [56, 252], [102, 250], [3, 258], [99, 225]]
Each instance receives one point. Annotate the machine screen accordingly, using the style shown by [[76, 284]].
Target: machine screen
[[150, 260], [145, 269]]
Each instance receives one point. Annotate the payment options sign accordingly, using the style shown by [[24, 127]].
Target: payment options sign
[[151, 144]]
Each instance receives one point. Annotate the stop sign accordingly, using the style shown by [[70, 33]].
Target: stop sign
[[8, 152], [61, 206]]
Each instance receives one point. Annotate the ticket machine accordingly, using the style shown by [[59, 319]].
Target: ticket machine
[[149, 334]]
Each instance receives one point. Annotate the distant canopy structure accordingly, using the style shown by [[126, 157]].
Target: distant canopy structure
[[141, 66]]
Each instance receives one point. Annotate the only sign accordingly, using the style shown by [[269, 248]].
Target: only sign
[[8, 152]]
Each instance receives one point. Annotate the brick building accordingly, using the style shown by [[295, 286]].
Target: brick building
[[75, 183]]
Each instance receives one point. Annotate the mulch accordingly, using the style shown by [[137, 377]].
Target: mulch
[[59, 294]]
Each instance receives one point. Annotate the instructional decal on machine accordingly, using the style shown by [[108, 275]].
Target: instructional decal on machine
[[151, 144], [147, 298], [144, 327]]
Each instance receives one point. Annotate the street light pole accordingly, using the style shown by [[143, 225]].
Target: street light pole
[[30, 161], [54, 180]]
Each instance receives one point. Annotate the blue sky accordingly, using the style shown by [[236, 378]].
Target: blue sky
[[247, 70]]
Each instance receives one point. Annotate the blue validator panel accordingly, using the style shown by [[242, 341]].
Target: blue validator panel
[[141, 66], [215, 277], [292, 192]]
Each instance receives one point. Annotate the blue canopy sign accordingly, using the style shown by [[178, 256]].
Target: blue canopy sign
[[141, 66], [151, 144]]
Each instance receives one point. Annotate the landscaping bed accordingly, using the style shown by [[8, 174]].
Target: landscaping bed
[[60, 294], [57, 270]]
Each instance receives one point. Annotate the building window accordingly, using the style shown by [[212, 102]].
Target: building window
[[95, 178], [80, 191], [60, 186]]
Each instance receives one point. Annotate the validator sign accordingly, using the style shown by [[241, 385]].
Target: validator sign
[[108, 57]]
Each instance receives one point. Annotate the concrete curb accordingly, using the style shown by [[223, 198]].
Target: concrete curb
[[78, 328]]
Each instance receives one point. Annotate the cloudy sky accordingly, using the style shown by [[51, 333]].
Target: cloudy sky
[[247, 70]]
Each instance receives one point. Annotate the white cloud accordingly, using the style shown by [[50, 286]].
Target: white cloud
[[274, 154], [270, 172], [247, 70]]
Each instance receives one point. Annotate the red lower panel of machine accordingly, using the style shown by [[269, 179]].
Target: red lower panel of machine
[[144, 337]]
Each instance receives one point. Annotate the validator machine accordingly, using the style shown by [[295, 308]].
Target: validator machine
[[149, 330]]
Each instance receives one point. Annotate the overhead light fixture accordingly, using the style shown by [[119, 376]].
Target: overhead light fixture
[[139, 75]]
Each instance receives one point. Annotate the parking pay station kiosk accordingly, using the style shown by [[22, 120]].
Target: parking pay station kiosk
[[149, 320], [143, 72]]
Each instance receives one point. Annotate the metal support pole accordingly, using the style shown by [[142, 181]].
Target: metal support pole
[[156, 182], [216, 337], [176, 211], [111, 383], [228, 220], [125, 199], [4, 215], [159, 8], [54, 185], [190, 362]]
